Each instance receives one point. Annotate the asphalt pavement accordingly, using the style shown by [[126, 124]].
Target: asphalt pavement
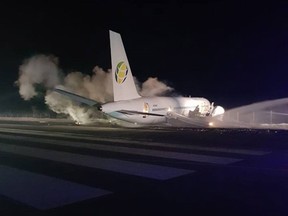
[[52, 168]]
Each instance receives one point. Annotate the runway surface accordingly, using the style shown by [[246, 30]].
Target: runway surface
[[57, 168]]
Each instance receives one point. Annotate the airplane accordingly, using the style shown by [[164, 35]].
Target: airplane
[[131, 107]]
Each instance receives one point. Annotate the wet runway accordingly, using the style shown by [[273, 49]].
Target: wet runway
[[56, 168]]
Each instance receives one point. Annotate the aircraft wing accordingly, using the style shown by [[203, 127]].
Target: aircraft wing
[[77, 98]]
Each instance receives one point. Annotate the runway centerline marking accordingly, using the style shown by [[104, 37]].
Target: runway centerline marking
[[43, 192], [132, 168]]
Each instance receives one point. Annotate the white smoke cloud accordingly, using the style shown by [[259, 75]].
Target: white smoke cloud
[[62, 105], [44, 70], [97, 87], [39, 69], [153, 87]]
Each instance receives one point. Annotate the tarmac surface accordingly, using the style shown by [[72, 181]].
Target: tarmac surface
[[57, 168]]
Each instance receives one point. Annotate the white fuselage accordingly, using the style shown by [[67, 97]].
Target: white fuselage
[[160, 106]]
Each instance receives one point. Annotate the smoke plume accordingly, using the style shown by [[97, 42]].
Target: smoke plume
[[44, 70], [98, 86], [39, 69], [153, 87]]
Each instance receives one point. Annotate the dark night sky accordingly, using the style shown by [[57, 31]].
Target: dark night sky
[[233, 54]]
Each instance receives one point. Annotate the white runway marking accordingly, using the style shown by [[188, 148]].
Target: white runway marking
[[138, 151], [121, 166], [43, 192]]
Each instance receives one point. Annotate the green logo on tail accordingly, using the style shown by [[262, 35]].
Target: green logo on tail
[[121, 72]]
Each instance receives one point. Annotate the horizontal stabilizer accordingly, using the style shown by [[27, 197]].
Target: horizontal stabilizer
[[77, 98]]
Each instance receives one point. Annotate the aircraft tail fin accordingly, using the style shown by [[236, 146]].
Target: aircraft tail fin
[[124, 87]]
